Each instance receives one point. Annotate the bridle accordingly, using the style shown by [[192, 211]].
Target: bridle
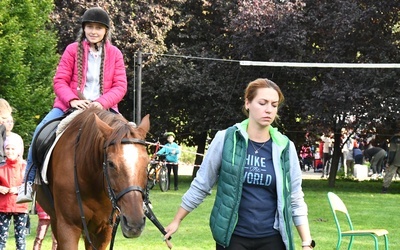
[[111, 194], [114, 198]]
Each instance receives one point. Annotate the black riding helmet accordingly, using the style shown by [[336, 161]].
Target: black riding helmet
[[96, 15]]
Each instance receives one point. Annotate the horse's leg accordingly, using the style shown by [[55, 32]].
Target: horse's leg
[[103, 238], [67, 236], [53, 223]]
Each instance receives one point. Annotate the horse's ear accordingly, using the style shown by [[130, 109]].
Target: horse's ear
[[144, 125], [105, 129]]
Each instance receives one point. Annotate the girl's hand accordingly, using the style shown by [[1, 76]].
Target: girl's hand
[[80, 104], [96, 104], [13, 190], [4, 190]]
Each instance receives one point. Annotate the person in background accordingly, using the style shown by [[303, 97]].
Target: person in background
[[321, 154], [349, 158], [41, 230], [347, 151], [327, 154], [306, 155], [375, 155], [317, 161], [259, 194], [172, 152], [11, 176], [5, 112], [393, 159], [91, 73], [357, 152], [10, 135]]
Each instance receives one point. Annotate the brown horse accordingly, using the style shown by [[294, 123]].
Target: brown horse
[[96, 176]]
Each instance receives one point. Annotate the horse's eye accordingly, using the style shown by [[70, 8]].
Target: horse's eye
[[111, 164]]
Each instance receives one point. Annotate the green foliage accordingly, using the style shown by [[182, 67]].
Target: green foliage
[[27, 61], [187, 154]]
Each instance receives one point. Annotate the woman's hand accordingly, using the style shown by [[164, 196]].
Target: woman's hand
[[171, 228], [80, 104]]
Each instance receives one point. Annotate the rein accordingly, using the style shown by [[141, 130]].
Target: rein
[[111, 194]]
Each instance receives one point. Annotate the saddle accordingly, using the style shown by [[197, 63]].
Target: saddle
[[44, 139], [42, 145]]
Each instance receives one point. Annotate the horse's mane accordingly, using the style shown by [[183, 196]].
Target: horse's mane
[[90, 137]]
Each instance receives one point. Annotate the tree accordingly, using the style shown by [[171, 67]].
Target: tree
[[207, 94], [190, 95], [27, 61], [351, 98]]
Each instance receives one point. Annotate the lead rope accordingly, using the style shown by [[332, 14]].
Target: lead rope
[[152, 217]]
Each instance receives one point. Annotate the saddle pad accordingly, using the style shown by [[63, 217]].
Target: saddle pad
[[47, 159]]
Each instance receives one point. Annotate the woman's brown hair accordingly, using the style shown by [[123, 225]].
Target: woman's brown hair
[[252, 88]]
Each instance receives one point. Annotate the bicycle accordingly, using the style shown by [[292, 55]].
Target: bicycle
[[158, 172]]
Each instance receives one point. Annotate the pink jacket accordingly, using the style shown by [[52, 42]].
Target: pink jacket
[[66, 77]]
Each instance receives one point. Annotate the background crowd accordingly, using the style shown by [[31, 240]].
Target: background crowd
[[356, 149]]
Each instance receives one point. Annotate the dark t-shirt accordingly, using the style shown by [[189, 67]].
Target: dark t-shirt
[[259, 198], [369, 153]]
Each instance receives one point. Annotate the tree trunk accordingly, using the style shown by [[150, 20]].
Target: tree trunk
[[337, 152], [201, 146]]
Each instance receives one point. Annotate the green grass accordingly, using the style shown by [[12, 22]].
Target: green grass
[[367, 206]]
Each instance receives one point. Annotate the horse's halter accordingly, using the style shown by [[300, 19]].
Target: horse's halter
[[111, 194]]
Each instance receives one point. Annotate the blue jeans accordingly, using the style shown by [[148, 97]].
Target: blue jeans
[[31, 168]]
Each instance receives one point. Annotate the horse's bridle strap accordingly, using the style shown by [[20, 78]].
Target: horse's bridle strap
[[128, 189]]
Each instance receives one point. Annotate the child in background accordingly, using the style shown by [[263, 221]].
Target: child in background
[[10, 135], [172, 152], [43, 226], [11, 176], [5, 111]]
